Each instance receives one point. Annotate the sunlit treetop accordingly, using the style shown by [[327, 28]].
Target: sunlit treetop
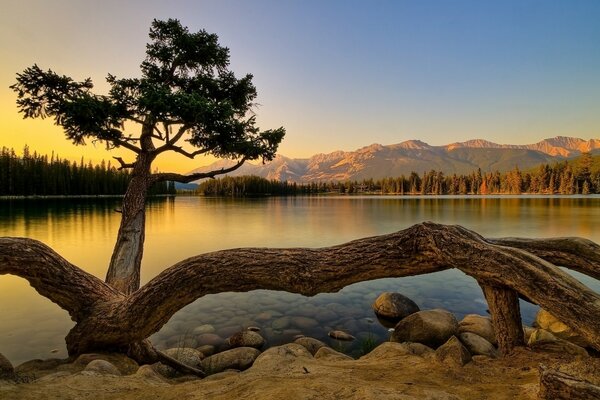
[[185, 92]]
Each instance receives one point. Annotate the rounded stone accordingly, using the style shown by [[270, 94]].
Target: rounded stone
[[206, 328], [247, 339], [311, 344], [208, 338], [479, 325], [102, 367], [239, 358], [550, 323], [478, 345], [341, 335], [394, 306], [431, 327], [185, 355]]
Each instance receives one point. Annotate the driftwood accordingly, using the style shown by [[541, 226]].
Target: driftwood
[[107, 319], [555, 385]]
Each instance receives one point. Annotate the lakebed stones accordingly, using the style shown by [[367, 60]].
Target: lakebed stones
[[247, 338], [550, 323], [479, 325], [240, 358], [478, 345], [453, 353], [311, 344], [206, 328], [6, 368], [430, 327], [394, 306]]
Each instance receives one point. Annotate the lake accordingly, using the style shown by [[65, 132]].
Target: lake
[[84, 230]]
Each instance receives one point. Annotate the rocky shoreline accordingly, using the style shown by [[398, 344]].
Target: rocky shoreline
[[431, 341]]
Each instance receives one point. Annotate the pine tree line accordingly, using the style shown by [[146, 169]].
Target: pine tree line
[[33, 174], [577, 176]]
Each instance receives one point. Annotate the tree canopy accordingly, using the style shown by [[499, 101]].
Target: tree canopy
[[185, 91]]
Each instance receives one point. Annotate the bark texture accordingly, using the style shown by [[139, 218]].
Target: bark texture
[[125, 264], [555, 385], [506, 317], [107, 319]]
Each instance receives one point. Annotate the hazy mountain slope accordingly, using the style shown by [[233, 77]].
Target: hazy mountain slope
[[379, 161]]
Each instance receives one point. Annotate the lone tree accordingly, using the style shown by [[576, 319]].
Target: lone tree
[[186, 93]]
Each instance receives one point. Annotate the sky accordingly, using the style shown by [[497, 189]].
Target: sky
[[338, 75]]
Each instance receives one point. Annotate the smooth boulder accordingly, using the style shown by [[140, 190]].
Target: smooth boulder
[[311, 344], [239, 358], [478, 345], [247, 338], [394, 306], [102, 367], [550, 323], [341, 335], [479, 325], [431, 328]]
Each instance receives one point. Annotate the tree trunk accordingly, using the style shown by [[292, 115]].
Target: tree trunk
[[125, 263], [506, 317], [555, 385], [106, 319]]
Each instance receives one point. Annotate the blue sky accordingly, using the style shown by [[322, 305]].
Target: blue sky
[[342, 74]]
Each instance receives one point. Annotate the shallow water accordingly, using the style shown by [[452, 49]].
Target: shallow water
[[83, 231]]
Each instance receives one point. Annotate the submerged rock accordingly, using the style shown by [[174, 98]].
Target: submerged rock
[[430, 327], [341, 335], [394, 306], [247, 339]]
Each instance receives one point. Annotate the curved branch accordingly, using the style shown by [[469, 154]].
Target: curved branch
[[124, 165], [420, 249], [54, 277], [579, 254], [124, 143], [170, 176]]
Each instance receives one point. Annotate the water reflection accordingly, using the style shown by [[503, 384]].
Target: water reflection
[[84, 230]]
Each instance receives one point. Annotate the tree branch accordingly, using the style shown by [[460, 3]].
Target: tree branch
[[126, 144], [170, 176], [575, 253], [73, 289], [124, 165], [420, 249]]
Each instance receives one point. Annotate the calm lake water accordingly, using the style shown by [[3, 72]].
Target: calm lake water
[[83, 231]]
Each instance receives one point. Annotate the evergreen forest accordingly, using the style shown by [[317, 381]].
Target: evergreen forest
[[32, 174]]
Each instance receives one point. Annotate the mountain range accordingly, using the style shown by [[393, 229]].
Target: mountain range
[[380, 161]]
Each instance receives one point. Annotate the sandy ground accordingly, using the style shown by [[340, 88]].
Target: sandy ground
[[386, 373]]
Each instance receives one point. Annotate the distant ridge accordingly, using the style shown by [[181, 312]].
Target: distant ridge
[[379, 161]]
